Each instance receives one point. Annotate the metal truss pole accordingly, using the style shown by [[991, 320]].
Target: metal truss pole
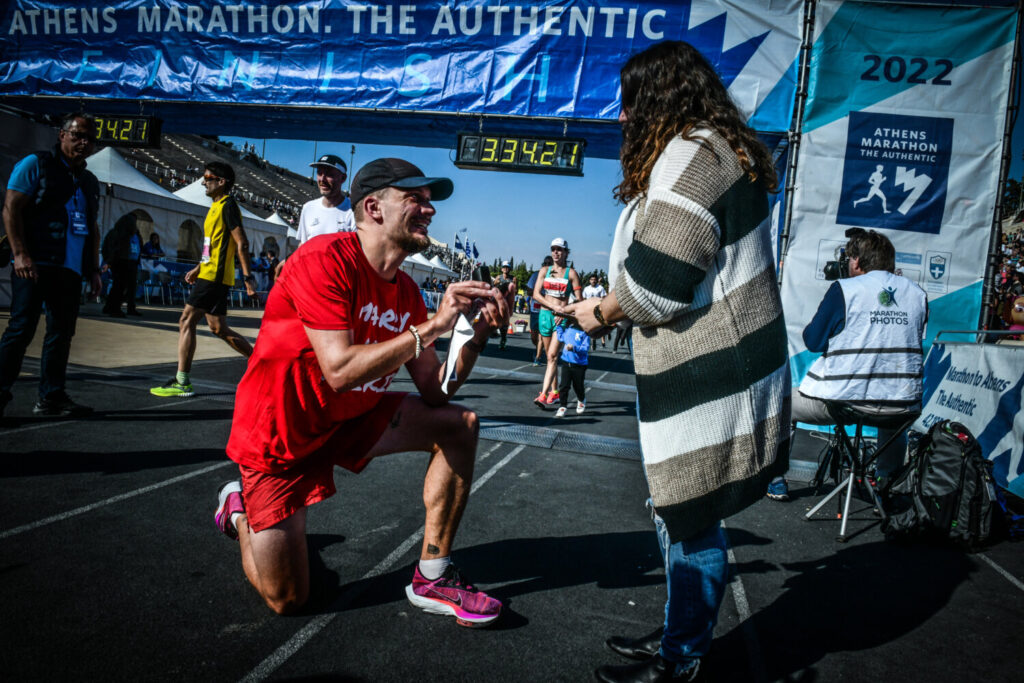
[[990, 308], [806, 43]]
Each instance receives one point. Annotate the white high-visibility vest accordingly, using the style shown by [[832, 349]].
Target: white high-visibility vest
[[877, 356]]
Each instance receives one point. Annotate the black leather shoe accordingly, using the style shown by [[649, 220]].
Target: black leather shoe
[[654, 670], [59, 404], [644, 647]]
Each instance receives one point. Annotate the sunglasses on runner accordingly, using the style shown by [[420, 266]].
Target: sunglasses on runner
[[79, 137]]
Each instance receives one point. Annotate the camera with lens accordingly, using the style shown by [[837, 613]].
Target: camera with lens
[[840, 267]]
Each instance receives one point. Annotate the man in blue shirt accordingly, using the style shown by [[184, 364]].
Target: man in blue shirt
[[50, 216]]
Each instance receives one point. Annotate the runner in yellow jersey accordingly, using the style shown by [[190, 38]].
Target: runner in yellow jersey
[[212, 279]]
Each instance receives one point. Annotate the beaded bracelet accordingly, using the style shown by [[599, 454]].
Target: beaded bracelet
[[419, 342]]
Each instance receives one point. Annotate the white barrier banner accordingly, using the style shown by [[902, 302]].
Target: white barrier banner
[[980, 386], [902, 134]]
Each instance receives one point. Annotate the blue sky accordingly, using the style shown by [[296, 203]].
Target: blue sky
[[509, 215]]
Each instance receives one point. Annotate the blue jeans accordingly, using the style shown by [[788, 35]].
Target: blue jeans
[[60, 289], [697, 571]]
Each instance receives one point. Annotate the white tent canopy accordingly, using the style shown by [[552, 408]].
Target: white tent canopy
[[110, 167], [442, 268], [417, 267], [276, 218]]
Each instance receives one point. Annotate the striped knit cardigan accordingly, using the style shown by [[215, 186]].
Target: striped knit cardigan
[[712, 373]]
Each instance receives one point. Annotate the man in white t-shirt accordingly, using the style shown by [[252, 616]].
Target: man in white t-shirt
[[596, 290], [332, 212]]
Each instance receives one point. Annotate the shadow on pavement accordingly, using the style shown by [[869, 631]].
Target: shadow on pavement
[[48, 463], [859, 598], [512, 568], [129, 415]]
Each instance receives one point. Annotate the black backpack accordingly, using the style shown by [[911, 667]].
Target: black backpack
[[945, 491]]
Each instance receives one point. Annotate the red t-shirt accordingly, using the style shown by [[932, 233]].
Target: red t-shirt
[[284, 408]]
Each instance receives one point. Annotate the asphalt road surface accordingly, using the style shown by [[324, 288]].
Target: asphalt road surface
[[111, 567]]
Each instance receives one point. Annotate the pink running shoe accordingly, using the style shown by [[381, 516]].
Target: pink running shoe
[[552, 398], [229, 501], [449, 594]]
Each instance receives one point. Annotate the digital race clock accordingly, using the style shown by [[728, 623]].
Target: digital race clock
[[128, 131], [523, 154]]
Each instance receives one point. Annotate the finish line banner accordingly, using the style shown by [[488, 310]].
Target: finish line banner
[[903, 134], [980, 386], [552, 59]]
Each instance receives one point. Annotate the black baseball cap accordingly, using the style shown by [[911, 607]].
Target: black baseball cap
[[390, 172], [331, 160]]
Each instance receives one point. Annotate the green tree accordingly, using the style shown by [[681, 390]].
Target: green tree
[[522, 273]]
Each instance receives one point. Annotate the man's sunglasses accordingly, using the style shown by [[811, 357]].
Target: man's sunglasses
[[208, 178], [80, 137]]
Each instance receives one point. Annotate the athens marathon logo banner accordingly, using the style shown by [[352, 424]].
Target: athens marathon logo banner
[[895, 172]]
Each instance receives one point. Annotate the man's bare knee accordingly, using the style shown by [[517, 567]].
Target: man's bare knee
[[218, 326], [188, 319], [286, 600], [457, 429], [470, 424]]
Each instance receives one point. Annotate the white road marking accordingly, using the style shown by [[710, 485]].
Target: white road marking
[[739, 596], [109, 501], [1005, 574]]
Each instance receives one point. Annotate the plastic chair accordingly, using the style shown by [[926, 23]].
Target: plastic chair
[[178, 287], [149, 284]]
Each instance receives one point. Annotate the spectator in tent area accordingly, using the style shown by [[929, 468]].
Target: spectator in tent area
[[49, 189], [272, 265], [223, 238], [122, 249], [339, 325], [152, 248]]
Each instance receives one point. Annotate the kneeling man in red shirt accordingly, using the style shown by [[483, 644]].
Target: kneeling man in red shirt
[[339, 323]]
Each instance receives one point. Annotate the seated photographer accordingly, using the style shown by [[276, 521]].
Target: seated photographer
[[868, 328]]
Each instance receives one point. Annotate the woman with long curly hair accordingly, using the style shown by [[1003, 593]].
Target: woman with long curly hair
[[692, 268]]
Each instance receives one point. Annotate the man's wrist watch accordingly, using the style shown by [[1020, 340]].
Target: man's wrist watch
[[597, 314], [250, 278]]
